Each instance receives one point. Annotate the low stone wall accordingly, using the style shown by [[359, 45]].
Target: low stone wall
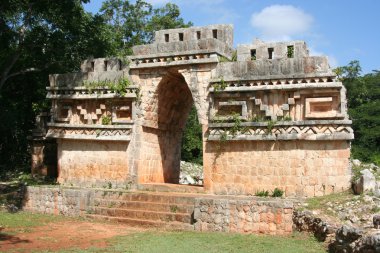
[[306, 222], [211, 213], [57, 200], [244, 215], [345, 239]]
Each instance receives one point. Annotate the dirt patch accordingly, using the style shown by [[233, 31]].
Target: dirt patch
[[62, 235]]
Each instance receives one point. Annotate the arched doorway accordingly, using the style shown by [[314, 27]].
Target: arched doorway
[[166, 115]]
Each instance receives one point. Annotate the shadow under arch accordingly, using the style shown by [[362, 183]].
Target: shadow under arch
[[171, 106]]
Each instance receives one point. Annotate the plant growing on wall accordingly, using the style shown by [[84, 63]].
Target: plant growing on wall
[[118, 87], [121, 86], [262, 193], [236, 127], [220, 86], [225, 59], [106, 120], [270, 126], [277, 192]]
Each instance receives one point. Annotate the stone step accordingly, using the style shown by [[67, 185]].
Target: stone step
[[145, 205], [143, 214], [146, 197], [144, 223], [172, 188]]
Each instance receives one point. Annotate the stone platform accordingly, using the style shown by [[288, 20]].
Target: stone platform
[[172, 210]]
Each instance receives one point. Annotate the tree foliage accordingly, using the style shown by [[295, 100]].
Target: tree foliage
[[363, 93], [41, 37], [37, 37], [191, 149], [132, 24]]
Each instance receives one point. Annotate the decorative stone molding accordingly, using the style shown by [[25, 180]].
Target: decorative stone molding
[[304, 130], [90, 132], [85, 93], [169, 60], [276, 84]]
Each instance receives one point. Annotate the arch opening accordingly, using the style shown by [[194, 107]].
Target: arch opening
[[163, 130]]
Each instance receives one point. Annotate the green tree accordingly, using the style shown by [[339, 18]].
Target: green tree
[[38, 37], [191, 149], [364, 109], [132, 24]]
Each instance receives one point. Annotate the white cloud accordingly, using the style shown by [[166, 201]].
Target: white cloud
[[281, 22]]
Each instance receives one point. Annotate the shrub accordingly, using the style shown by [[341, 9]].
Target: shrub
[[262, 193], [277, 192]]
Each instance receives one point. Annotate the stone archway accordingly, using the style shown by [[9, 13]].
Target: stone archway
[[166, 116]]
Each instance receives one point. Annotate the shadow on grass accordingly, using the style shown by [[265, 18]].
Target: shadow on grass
[[6, 239]]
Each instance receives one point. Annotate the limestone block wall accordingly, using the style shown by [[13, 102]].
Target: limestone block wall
[[93, 163], [300, 168], [56, 200], [151, 167], [260, 50], [187, 41], [244, 215]]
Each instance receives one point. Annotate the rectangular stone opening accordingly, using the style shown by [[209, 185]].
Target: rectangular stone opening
[[105, 65], [122, 112], [92, 66], [290, 51], [215, 33], [198, 35], [321, 107], [166, 37], [253, 54], [228, 109], [64, 113], [180, 36], [270, 53]]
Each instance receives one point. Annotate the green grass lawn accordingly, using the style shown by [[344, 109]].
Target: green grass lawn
[[26, 219], [167, 241], [213, 242], [190, 242]]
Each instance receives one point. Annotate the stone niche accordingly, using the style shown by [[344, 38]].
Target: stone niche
[[272, 117]]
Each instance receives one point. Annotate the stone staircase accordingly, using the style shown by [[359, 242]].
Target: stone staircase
[[168, 210]]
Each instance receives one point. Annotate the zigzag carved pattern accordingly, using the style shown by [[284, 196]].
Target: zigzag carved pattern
[[88, 131], [264, 130]]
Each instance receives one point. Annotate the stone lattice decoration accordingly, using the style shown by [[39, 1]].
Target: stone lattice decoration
[[272, 116]]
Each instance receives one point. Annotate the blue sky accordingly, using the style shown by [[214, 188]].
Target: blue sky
[[344, 30]]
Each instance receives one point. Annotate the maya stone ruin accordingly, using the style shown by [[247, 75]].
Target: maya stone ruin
[[271, 115]]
